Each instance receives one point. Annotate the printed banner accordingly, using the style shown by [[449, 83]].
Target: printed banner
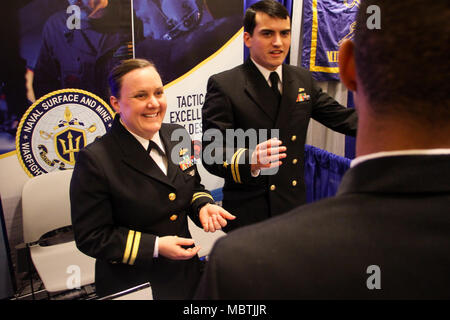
[[326, 23], [189, 42]]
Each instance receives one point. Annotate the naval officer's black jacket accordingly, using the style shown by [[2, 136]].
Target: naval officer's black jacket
[[121, 200], [240, 98]]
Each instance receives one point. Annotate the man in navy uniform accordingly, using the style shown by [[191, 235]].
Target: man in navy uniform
[[244, 98]]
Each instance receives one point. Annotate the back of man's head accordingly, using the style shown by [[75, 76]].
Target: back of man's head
[[403, 66]]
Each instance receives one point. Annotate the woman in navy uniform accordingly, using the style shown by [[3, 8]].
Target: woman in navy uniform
[[130, 205]]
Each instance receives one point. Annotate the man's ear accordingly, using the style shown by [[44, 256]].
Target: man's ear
[[347, 68], [114, 103], [247, 39]]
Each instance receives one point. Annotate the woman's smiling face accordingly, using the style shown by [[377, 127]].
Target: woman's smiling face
[[142, 104]]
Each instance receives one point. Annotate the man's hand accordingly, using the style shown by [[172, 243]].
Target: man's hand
[[214, 217], [171, 247], [268, 154]]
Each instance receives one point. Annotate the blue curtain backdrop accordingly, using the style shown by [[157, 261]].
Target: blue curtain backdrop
[[248, 3], [323, 173], [350, 142]]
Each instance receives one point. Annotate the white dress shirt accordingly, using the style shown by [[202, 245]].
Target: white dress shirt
[[266, 74], [160, 159]]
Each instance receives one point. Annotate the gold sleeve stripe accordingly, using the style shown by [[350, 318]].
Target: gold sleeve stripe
[[200, 195], [238, 175], [235, 164], [137, 240], [128, 246], [232, 166]]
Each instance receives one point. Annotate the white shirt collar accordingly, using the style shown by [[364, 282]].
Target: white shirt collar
[[266, 72], [414, 152], [144, 142]]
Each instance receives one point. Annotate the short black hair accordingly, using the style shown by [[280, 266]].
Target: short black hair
[[403, 66], [120, 70], [270, 7]]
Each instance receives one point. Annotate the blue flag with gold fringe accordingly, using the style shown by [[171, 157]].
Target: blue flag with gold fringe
[[326, 23]]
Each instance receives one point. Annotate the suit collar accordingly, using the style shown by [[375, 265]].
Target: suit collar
[[266, 72], [166, 139], [259, 91], [144, 142], [288, 98], [255, 87], [404, 174], [413, 152], [134, 154]]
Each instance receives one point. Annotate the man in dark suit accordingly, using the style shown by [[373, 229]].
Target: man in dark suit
[[256, 186], [386, 235]]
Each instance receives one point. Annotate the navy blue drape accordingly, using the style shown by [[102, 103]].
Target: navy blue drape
[[350, 142], [323, 173]]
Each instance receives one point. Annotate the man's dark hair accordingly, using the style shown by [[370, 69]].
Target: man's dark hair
[[119, 71], [270, 7], [403, 66]]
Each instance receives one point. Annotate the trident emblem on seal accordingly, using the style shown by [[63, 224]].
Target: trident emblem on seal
[[71, 150], [69, 141]]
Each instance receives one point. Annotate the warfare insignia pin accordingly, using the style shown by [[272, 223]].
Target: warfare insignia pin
[[183, 151]]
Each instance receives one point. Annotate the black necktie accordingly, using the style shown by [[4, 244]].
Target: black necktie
[[274, 81], [153, 145]]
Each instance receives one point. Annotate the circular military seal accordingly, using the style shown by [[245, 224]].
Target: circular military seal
[[54, 129]]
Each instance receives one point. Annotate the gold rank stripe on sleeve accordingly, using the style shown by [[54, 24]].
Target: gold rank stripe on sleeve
[[200, 195], [235, 165], [136, 242], [132, 247]]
